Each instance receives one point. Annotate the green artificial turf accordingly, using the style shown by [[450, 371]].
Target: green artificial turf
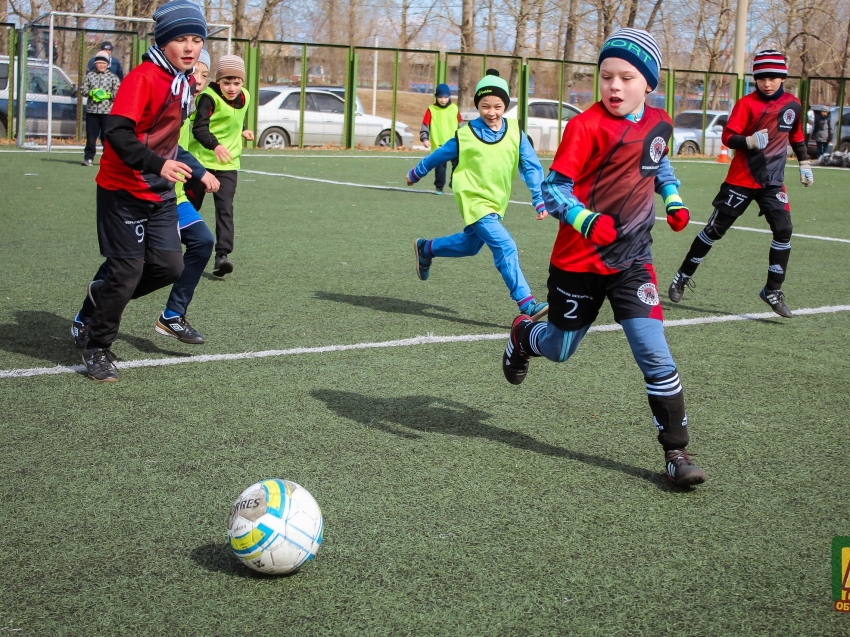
[[455, 504]]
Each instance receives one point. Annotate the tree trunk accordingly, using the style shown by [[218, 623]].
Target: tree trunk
[[633, 9], [465, 86], [519, 42], [570, 42]]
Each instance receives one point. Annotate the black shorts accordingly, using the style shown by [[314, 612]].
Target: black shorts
[[575, 297], [128, 226], [733, 200]]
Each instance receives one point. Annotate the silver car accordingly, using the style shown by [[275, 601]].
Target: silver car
[[64, 99], [688, 132], [278, 120]]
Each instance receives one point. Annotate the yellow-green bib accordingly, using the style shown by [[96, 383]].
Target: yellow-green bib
[[226, 125], [183, 142], [443, 124], [482, 180]]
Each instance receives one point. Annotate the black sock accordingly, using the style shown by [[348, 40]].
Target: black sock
[[667, 402]]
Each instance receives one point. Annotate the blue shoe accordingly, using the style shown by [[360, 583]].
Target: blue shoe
[[423, 264], [536, 310], [438, 191]]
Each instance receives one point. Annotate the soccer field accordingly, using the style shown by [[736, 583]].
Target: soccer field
[[455, 504]]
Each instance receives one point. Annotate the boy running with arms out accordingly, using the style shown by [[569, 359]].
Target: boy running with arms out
[[136, 208], [488, 151], [611, 162], [760, 129], [441, 121], [217, 143]]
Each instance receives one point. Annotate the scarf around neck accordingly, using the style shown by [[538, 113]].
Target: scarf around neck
[[181, 79]]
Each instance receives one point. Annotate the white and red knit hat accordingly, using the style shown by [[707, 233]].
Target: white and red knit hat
[[769, 62]]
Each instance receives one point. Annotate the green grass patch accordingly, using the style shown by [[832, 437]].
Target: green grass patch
[[455, 503]]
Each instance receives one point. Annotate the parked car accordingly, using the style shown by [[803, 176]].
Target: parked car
[[840, 139], [688, 132], [278, 117], [64, 99], [542, 126]]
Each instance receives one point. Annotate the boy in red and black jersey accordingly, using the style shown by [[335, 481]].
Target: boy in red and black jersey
[[761, 127], [136, 204], [611, 162]]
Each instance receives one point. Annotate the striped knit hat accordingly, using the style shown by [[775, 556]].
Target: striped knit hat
[[769, 63], [177, 18], [230, 66], [638, 48]]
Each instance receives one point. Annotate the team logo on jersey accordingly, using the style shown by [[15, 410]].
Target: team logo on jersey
[[788, 117], [656, 149], [782, 196], [648, 294]]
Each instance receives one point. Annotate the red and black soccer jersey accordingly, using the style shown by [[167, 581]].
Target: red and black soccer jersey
[[613, 162], [144, 97], [781, 118]]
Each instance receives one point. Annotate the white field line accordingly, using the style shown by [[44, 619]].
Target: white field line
[[405, 342], [524, 203]]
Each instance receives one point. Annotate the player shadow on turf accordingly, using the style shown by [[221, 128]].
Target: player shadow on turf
[[218, 558], [412, 416], [56, 345], [401, 306]]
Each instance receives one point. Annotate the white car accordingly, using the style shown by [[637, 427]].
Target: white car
[[542, 127], [64, 99], [278, 119], [688, 132]]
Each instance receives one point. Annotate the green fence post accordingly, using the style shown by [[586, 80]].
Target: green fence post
[[81, 74], [596, 94], [442, 70], [253, 86], [842, 95], [524, 75], [22, 85], [350, 99], [561, 102], [804, 96], [11, 115], [705, 81], [670, 93], [395, 98], [303, 101]]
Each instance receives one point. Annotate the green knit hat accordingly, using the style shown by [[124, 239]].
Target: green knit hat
[[492, 84]]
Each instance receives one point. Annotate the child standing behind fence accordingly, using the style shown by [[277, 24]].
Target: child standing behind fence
[[99, 86], [217, 143], [441, 121]]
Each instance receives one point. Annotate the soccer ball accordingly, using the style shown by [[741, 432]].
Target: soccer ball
[[275, 526]]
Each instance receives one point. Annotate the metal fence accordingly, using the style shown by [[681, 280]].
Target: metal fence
[[319, 95]]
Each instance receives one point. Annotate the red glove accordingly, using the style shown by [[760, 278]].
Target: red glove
[[602, 231], [678, 218]]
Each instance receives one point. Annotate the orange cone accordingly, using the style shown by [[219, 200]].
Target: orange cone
[[723, 157]]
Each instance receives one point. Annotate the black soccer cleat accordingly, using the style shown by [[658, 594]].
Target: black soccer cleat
[[179, 328], [423, 263], [681, 470], [80, 333], [514, 360], [776, 300], [99, 365], [677, 287], [222, 266]]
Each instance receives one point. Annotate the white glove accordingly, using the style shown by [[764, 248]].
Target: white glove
[[807, 177], [757, 141]]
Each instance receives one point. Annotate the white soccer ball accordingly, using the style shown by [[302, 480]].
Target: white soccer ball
[[275, 526]]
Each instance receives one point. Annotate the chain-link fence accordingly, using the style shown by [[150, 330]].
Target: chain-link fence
[[311, 95]]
